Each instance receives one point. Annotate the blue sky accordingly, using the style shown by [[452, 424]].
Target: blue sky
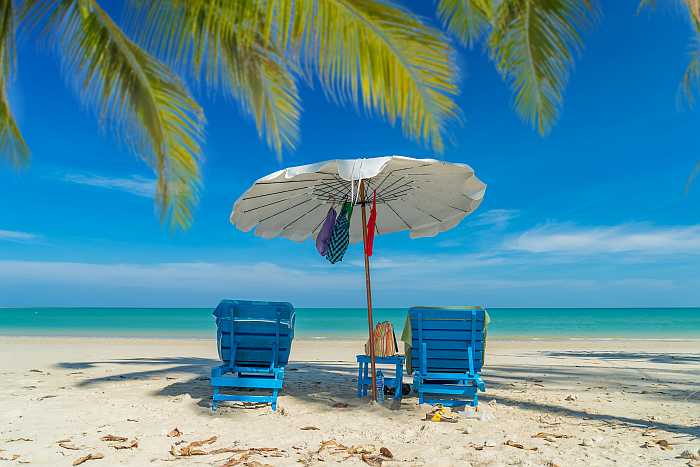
[[592, 215]]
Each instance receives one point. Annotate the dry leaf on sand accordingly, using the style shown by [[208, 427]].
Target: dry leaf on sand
[[665, 445], [551, 437], [18, 439], [210, 440], [192, 448], [68, 445], [386, 453], [372, 460], [309, 428], [89, 457], [174, 433], [513, 444], [114, 438], [134, 443]]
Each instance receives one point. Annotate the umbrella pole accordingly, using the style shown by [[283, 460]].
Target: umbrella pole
[[368, 284]]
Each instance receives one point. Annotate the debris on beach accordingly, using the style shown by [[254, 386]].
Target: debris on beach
[[309, 428], [192, 449], [67, 444], [242, 456], [89, 457], [551, 437], [174, 433], [367, 453], [690, 455], [665, 445], [570, 398], [134, 443], [440, 414], [340, 405], [120, 439], [14, 440], [513, 444]]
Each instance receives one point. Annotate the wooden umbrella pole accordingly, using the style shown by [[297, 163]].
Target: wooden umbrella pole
[[368, 283]]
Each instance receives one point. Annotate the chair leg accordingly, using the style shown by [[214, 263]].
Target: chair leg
[[398, 394], [359, 379]]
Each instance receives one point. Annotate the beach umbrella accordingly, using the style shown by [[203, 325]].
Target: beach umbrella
[[422, 196]]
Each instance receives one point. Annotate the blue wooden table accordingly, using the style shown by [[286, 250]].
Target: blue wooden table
[[364, 379]]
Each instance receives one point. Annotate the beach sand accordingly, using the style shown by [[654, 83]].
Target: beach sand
[[548, 402]]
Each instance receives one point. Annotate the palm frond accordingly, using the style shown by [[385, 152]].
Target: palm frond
[[468, 20], [12, 144], [381, 56], [226, 44], [691, 76], [144, 101], [367, 52], [533, 44]]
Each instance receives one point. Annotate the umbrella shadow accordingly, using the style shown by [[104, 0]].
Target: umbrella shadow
[[329, 383], [650, 357]]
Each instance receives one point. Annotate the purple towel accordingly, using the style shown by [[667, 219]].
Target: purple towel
[[324, 235]]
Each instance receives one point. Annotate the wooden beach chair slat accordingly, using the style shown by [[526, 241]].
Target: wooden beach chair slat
[[254, 340], [448, 353]]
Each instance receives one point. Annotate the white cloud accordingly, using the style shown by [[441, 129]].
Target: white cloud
[[625, 238], [136, 184], [18, 236], [498, 218]]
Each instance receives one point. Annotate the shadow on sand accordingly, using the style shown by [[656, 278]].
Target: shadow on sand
[[326, 383]]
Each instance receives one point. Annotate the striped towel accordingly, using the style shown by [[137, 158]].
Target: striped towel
[[340, 238], [384, 340]]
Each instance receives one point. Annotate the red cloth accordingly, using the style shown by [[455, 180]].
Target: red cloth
[[371, 226]]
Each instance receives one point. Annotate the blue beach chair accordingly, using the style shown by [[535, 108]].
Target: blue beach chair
[[254, 340], [447, 354]]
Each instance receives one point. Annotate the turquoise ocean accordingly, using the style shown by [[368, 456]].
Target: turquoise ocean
[[349, 323]]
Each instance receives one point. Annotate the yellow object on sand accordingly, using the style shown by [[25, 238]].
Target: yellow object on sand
[[440, 414]]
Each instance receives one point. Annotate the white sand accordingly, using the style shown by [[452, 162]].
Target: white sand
[[626, 394]]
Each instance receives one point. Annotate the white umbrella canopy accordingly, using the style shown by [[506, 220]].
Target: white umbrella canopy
[[423, 196]]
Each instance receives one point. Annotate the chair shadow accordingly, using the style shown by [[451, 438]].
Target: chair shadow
[[648, 356], [328, 383]]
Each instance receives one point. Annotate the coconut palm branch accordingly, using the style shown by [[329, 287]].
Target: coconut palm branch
[[468, 20], [532, 42], [12, 145], [142, 100], [370, 53]]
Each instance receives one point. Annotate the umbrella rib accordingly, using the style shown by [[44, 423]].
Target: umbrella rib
[[275, 193], [284, 210], [302, 216], [392, 184], [399, 216], [427, 213], [444, 203], [394, 190], [398, 194], [272, 203]]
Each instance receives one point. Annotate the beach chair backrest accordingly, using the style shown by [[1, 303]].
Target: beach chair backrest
[[254, 328], [447, 333]]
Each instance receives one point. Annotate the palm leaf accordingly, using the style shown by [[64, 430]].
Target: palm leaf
[[367, 52], [533, 44], [466, 19], [144, 101], [222, 42], [12, 144]]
